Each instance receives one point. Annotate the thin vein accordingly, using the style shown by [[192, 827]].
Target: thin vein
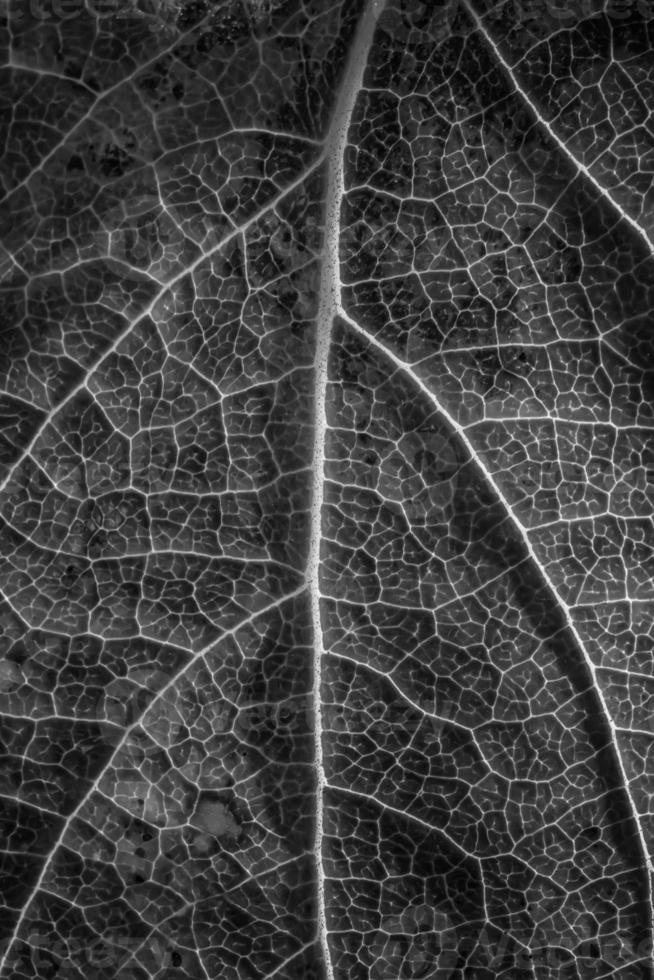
[[149, 309], [551, 131], [497, 490], [128, 731]]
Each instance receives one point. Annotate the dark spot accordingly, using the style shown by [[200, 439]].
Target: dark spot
[[73, 69], [206, 42], [150, 83], [128, 139], [425, 459], [114, 161], [70, 576], [75, 163], [18, 653], [233, 24], [190, 14]]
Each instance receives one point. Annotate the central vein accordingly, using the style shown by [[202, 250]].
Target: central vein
[[329, 305]]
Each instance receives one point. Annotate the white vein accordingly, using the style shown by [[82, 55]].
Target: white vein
[[329, 303], [408, 370], [172, 681], [550, 129], [149, 310]]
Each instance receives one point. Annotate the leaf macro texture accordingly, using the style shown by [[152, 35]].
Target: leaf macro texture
[[326, 489]]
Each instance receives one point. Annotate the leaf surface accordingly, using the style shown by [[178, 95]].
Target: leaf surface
[[326, 499]]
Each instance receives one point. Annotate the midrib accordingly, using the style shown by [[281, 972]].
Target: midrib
[[328, 307]]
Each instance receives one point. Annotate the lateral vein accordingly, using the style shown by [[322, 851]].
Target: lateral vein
[[550, 128]]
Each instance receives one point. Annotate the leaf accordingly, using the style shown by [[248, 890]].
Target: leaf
[[326, 562]]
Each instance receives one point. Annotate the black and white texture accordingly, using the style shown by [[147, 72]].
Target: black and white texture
[[326, 490]]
